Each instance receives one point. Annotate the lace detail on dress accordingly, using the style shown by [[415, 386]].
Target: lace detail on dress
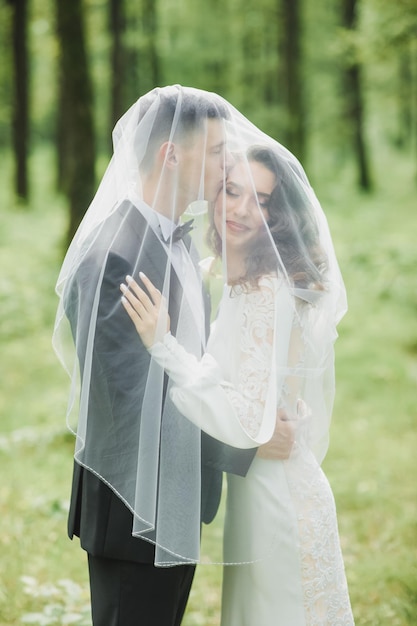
[[249, 395], [326, 598]]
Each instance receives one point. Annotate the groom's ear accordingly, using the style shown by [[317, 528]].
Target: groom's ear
[[168, 154]]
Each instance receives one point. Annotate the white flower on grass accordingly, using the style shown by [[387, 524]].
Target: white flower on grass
[[72, 609]]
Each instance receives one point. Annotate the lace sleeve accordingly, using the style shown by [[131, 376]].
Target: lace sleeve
[[240, 410], [290, 399], [248, 397]]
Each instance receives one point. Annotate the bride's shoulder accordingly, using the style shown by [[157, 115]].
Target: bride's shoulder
[[270, 283], [265, 291], [271, 291]]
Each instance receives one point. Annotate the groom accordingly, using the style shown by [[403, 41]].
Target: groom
[[127, 589]]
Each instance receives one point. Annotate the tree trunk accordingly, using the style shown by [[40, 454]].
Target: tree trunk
[[355, 102], [292, 77], [405, 98], [414, 104], [150, 57], [76, 129], [118, 58], [20, 104]]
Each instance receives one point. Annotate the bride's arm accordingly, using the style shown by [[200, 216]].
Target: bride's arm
[[232, 414]]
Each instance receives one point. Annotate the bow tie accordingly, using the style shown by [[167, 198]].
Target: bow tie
[[180, 232]]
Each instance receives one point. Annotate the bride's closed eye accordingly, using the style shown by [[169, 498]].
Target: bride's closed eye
[[262, 201], [232, 194], [264, 204]]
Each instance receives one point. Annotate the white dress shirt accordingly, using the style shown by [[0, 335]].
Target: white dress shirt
[[179, 257]]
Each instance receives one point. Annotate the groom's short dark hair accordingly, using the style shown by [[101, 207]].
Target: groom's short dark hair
[[191, 106]]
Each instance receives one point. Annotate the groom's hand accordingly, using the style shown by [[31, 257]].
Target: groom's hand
[[280, 445]]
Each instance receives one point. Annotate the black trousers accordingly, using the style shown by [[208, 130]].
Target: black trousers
[[124, 593]]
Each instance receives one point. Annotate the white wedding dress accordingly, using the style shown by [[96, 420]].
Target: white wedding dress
[[281, 517]]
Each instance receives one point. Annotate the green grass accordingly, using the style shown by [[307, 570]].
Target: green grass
[[371, 463]]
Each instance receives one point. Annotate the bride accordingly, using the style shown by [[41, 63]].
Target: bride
[[270, 349]]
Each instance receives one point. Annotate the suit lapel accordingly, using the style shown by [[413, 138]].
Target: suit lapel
[[153, 255]]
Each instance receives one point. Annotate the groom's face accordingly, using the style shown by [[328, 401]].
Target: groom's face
[[203, 161]]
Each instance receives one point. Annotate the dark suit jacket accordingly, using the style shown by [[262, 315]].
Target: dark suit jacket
[[97, 515]]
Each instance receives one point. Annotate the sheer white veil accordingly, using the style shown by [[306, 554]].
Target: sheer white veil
[[174, 150]]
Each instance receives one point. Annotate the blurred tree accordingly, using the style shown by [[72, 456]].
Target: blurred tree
[[76, 137], [149, 74], [131, 46], [354, 97], [406, 106], [393, 31], [407, 70], [125, 71], [117, 27], [250, 41], [197, 43], [292, 77], [276, 60], [5, 73], [20, 102]]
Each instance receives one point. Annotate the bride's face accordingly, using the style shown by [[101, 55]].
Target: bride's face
[[240, 212]]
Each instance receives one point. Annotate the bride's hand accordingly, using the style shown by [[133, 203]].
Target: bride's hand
[[147, 313], [281, 443]]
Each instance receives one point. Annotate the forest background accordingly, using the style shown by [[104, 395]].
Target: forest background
[[336, 82]]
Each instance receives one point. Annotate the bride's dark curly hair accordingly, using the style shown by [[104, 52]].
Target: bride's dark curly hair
[[292, 227]]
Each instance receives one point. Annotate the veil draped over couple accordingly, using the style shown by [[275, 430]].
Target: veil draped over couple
[[190, 420]]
